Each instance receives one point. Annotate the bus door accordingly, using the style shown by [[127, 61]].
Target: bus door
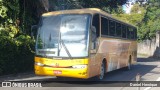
[[94, 61]]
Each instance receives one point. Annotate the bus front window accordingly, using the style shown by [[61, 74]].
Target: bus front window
[[61, 35]]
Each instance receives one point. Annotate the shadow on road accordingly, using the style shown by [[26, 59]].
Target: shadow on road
[[118, 77], [120, 74], [111, 78], [149, 59]]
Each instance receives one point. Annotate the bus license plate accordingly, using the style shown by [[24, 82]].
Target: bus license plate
[[57, 72]]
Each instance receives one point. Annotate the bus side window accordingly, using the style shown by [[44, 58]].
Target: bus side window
[[135, 33], [124, 33], [111, 28], [118, 30], [130, 33], [104, 26], [94, 37], [95, 23], [95, 30], [127, 32]]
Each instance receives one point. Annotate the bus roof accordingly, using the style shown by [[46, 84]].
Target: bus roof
[[85, 11]]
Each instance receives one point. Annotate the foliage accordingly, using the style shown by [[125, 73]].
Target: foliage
[[8, 17], [16, 55], [136, 18], [146, 18], [16, 19], [150, 24], [110, 6]]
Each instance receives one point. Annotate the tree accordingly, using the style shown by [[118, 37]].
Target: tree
[[9, 17], [106, 5], [17, 16], [150, 24], [135, 17]]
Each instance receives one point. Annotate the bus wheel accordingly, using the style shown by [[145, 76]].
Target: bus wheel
[[102, 71]]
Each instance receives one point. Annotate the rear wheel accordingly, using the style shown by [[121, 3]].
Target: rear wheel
[[102, 71]]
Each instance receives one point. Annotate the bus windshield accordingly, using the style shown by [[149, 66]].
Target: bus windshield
[[63, 36]]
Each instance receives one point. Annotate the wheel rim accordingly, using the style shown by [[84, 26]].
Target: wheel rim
[[102, 72]]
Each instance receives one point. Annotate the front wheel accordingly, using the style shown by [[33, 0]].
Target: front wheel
[[102, 71]]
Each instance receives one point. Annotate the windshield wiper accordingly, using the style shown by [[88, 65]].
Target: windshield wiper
[[67, 51], [61, 42]]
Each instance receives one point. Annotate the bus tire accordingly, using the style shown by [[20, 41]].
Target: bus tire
[[102, 71]]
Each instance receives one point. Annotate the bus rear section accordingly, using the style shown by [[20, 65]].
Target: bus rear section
[[118, 43], [118, 53]]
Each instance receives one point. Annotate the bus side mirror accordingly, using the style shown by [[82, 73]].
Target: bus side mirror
[[34, 29]]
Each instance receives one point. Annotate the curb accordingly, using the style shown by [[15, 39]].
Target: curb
[[3, 77]]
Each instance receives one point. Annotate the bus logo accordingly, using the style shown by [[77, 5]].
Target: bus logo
[[6, 84], [56, 64]]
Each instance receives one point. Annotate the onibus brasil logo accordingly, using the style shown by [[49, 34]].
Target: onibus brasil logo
[[21, 84]]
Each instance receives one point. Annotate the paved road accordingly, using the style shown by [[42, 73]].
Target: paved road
[[148, 68]]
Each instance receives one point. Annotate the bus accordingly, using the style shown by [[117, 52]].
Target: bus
[[83, 43]]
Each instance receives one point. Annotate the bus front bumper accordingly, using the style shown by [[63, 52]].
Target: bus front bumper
[[63, 72]]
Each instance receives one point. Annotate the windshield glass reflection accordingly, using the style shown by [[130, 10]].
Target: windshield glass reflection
[[71, 29]]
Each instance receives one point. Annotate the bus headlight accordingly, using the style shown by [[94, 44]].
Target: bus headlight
[[79, 66], [39, 64]]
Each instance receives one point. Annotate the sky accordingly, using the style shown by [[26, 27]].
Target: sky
[[127, 7]]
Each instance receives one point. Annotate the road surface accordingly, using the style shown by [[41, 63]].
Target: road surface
[[148, 68]]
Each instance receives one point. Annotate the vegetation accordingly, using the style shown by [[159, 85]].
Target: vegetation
[[16, 19], [145, 17], [110, 6], [16, 46], [15, 54], [135, 17], [150, 23]]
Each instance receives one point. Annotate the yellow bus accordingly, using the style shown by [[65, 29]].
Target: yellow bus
[[83, 43]]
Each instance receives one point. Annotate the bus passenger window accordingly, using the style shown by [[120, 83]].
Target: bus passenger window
[[130, 33], [124, 34], [135, 33], [104, 26], [118, 30], [94, 37], [95, 23], [111, 28]]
